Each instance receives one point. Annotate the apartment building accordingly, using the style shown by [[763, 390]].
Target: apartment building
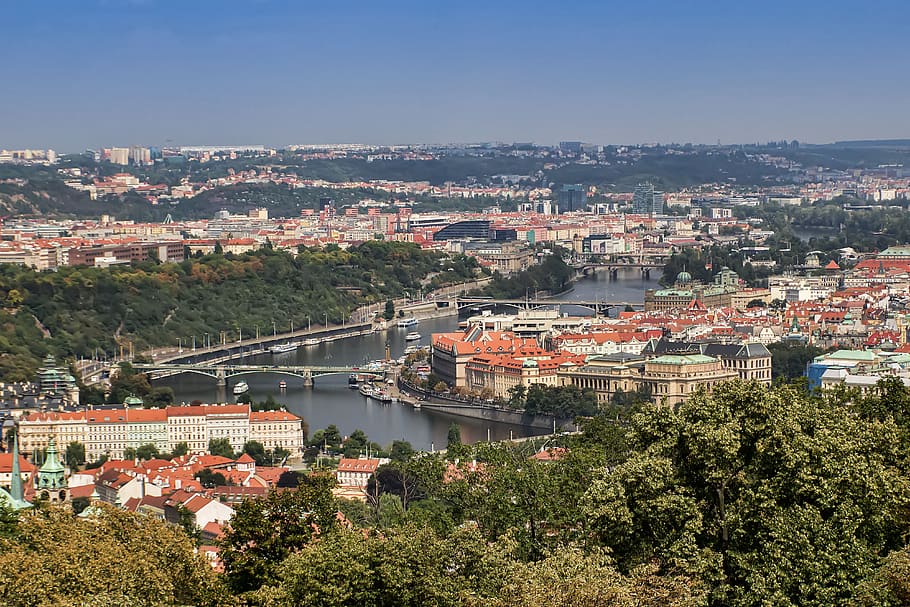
[[110, 432]]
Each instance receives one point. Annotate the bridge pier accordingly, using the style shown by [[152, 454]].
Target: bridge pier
[[646, 273], [220, 377], [614, 273], [308, 379]]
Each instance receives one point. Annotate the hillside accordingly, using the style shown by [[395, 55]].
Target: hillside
[[151, 304]]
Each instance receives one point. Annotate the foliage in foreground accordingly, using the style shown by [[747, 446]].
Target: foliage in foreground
[[115, 558]]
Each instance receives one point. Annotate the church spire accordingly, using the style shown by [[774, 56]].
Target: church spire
[[15, 486]]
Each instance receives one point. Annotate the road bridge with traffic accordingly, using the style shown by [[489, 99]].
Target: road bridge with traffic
[[598, 307]]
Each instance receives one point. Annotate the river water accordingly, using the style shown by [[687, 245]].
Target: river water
[[330, 401]]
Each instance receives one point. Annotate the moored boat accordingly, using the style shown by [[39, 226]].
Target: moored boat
[[241, 387], [282, 348], [413, 336], [405, 323]]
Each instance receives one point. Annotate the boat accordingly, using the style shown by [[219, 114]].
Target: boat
[[417, 404], [353, 381], [281, 348], [366, 390], [282, 385], [411, 349], [382, 395], [404, 323], [311, 341], [413, 336], [241, 387]]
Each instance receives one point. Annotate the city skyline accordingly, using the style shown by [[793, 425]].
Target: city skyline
[[277, 73]]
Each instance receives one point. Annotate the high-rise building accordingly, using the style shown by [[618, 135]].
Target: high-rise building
[[647, 201], [573, 197], [140, 155], [120, 156]]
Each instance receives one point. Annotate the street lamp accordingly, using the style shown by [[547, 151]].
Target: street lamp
[[309, 325], [275, 330], [326, 314]]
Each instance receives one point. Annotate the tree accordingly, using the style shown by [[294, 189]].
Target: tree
[[129, 453], [112, 558], [147, 451], [401, 451], [389, 312], [742, 484], [75, 454], [222, 447], [180, 449], [256, 450], [264, 532], [453, 439], [161, 396], [209, 479]]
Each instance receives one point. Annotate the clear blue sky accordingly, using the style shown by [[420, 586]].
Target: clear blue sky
[[92, 73]]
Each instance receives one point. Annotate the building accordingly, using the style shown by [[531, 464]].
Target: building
[[110, 432], [52, 486], [668, 379], [750, 361], [573, 197], [120, 156], [646, 200], [356, 472], [452, 351], [469, 228], [167, 251]]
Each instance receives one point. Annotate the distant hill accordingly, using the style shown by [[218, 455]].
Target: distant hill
[[872, 143]]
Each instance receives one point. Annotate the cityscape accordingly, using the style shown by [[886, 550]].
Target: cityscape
[[619, 326]]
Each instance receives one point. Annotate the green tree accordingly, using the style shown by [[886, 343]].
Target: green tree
[[180, 449], [129, 453], [75, 454], [210, 479], [147, 451], [453, 439], [256, 450], [264, 532], [222, 447], [401, 451], [740, 485], [389, 312]]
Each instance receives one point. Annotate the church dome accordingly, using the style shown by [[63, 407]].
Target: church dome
[[683, 278]]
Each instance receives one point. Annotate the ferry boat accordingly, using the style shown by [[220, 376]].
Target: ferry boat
[[282, 385], [241, 387], [282, 348], [366, 390], [353, 381], [382, 395], [311, 341], [411, 349], [405, 323], [413, 336]]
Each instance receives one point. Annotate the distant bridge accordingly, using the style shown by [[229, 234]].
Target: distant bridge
[[221, 373], [598, 307]]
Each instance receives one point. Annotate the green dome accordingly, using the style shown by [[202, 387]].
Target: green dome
[[132, 400], [683, 277]]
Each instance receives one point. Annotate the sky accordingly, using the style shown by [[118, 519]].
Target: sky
[[79, 74]]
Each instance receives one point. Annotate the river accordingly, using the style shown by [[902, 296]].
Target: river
[[331, 402]]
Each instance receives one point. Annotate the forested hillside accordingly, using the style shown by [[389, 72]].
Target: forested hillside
[[75, 310]]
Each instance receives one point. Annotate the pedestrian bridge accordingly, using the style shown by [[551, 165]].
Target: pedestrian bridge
[[221, 373]]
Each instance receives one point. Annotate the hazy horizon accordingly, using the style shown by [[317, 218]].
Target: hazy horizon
[[151, 72]]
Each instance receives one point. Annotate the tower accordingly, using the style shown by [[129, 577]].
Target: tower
[[52, 484]]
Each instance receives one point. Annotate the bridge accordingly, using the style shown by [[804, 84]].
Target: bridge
[[221, 372], [612, 268], [598, 307]]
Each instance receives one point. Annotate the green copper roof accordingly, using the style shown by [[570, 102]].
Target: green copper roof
[[850, 355], [683, 359], [51, 473]]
